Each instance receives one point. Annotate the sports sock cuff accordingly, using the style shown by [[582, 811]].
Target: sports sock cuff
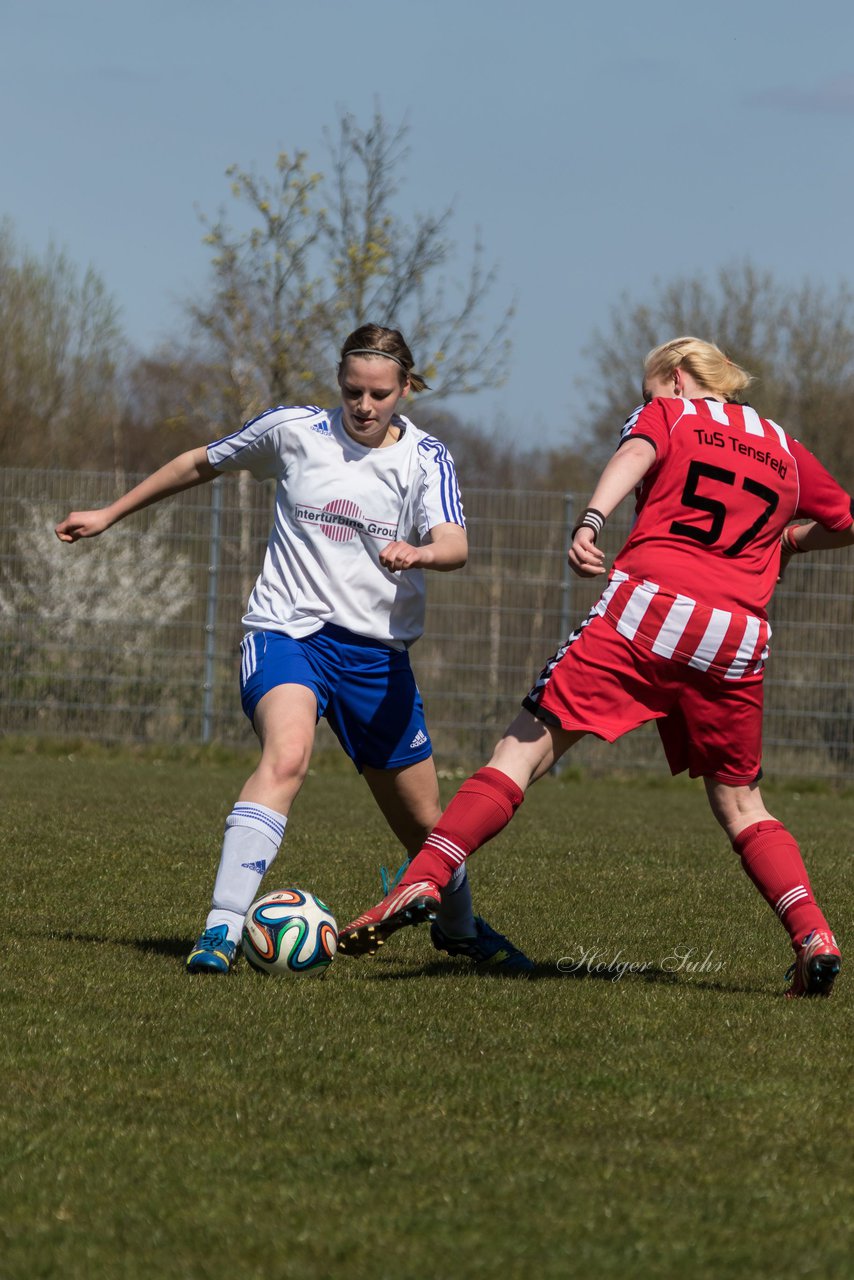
[[458, 881], [259, 818], [757, 837], [488, 781]]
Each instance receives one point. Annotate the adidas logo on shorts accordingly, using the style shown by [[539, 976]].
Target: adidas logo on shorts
[[419, 739]]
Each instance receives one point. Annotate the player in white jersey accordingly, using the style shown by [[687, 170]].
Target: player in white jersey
[[365, 502], [679, 636]]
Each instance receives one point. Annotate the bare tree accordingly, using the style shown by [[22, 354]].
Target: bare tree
[[165, 407], [323, 254], [488, 461], [59, 349], [798, 342], [391, 271], [259, 325]]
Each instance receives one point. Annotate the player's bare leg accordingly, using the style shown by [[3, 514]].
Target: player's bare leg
[[481, 808], [529, 748], [285, 723], [771, 858], [409, 799]]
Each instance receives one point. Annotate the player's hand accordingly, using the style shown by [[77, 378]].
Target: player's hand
[[585, 558], [785, 557], [82, 524], [402, 555]]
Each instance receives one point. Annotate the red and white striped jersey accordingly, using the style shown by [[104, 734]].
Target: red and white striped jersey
[[725, 642], [711, 509]]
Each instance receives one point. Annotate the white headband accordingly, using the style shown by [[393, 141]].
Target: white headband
[[372, 351]]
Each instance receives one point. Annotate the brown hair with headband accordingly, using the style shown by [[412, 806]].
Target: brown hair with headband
[[374, 340]]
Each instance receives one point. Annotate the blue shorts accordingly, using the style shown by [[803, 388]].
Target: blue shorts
[[365, 689]]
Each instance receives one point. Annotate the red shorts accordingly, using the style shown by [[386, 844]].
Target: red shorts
[[601, 683]]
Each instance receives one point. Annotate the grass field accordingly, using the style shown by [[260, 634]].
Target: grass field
[[404, 1117]]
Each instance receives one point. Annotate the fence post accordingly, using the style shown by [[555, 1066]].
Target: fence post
[[211, 611], [565, 586], [566, 576]]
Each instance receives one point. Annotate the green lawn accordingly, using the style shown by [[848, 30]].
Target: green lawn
[[403, 1117]]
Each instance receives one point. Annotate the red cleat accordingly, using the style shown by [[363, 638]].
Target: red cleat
[[816, 966], [407, 904]]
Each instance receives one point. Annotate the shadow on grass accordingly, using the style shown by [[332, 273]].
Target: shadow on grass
[[589, 973], [177, 948], [651, 973], [392, 972], [385, 969], [170, 947]]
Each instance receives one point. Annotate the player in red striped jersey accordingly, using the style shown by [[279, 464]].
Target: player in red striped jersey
[[679, 636]]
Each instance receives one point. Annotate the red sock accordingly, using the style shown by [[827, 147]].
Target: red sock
[[481, 808], [771, 857]]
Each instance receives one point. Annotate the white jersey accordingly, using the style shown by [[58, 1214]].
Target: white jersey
[[338, 504]]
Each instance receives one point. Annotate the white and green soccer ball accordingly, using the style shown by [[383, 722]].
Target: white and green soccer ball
[[290, 932]]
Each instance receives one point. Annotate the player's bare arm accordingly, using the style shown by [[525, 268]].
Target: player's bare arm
[[797, 538], [446, 550], [623, 472], [815, 537], [183, 472]]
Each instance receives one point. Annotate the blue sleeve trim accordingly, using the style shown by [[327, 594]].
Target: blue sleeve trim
[[449, 489], [296, 413]]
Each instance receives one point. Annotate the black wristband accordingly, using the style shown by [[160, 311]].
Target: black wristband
[[592, 519]]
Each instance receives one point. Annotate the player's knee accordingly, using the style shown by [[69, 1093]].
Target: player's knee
[[285, 767]]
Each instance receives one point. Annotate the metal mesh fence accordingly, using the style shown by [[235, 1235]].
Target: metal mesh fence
[[133, 637]]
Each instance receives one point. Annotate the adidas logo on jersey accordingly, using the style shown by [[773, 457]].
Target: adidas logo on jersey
[[419, 739], [259, 867], [322, 428]]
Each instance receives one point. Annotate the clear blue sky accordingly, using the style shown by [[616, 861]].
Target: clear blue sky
[[597, 147]]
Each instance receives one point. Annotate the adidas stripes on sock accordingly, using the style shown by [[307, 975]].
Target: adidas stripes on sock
[[482, 807], [771, 858], [253, 834]]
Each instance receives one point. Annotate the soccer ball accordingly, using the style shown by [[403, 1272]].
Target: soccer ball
[[290, 932]]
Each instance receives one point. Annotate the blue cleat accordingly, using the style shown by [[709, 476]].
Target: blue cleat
[[213, 953], [490, 951]]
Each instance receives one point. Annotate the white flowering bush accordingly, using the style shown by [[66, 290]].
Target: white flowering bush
[[123, 576], [84, 628]]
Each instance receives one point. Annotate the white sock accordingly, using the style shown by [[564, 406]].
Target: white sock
[[252, 837], [455, 917]]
